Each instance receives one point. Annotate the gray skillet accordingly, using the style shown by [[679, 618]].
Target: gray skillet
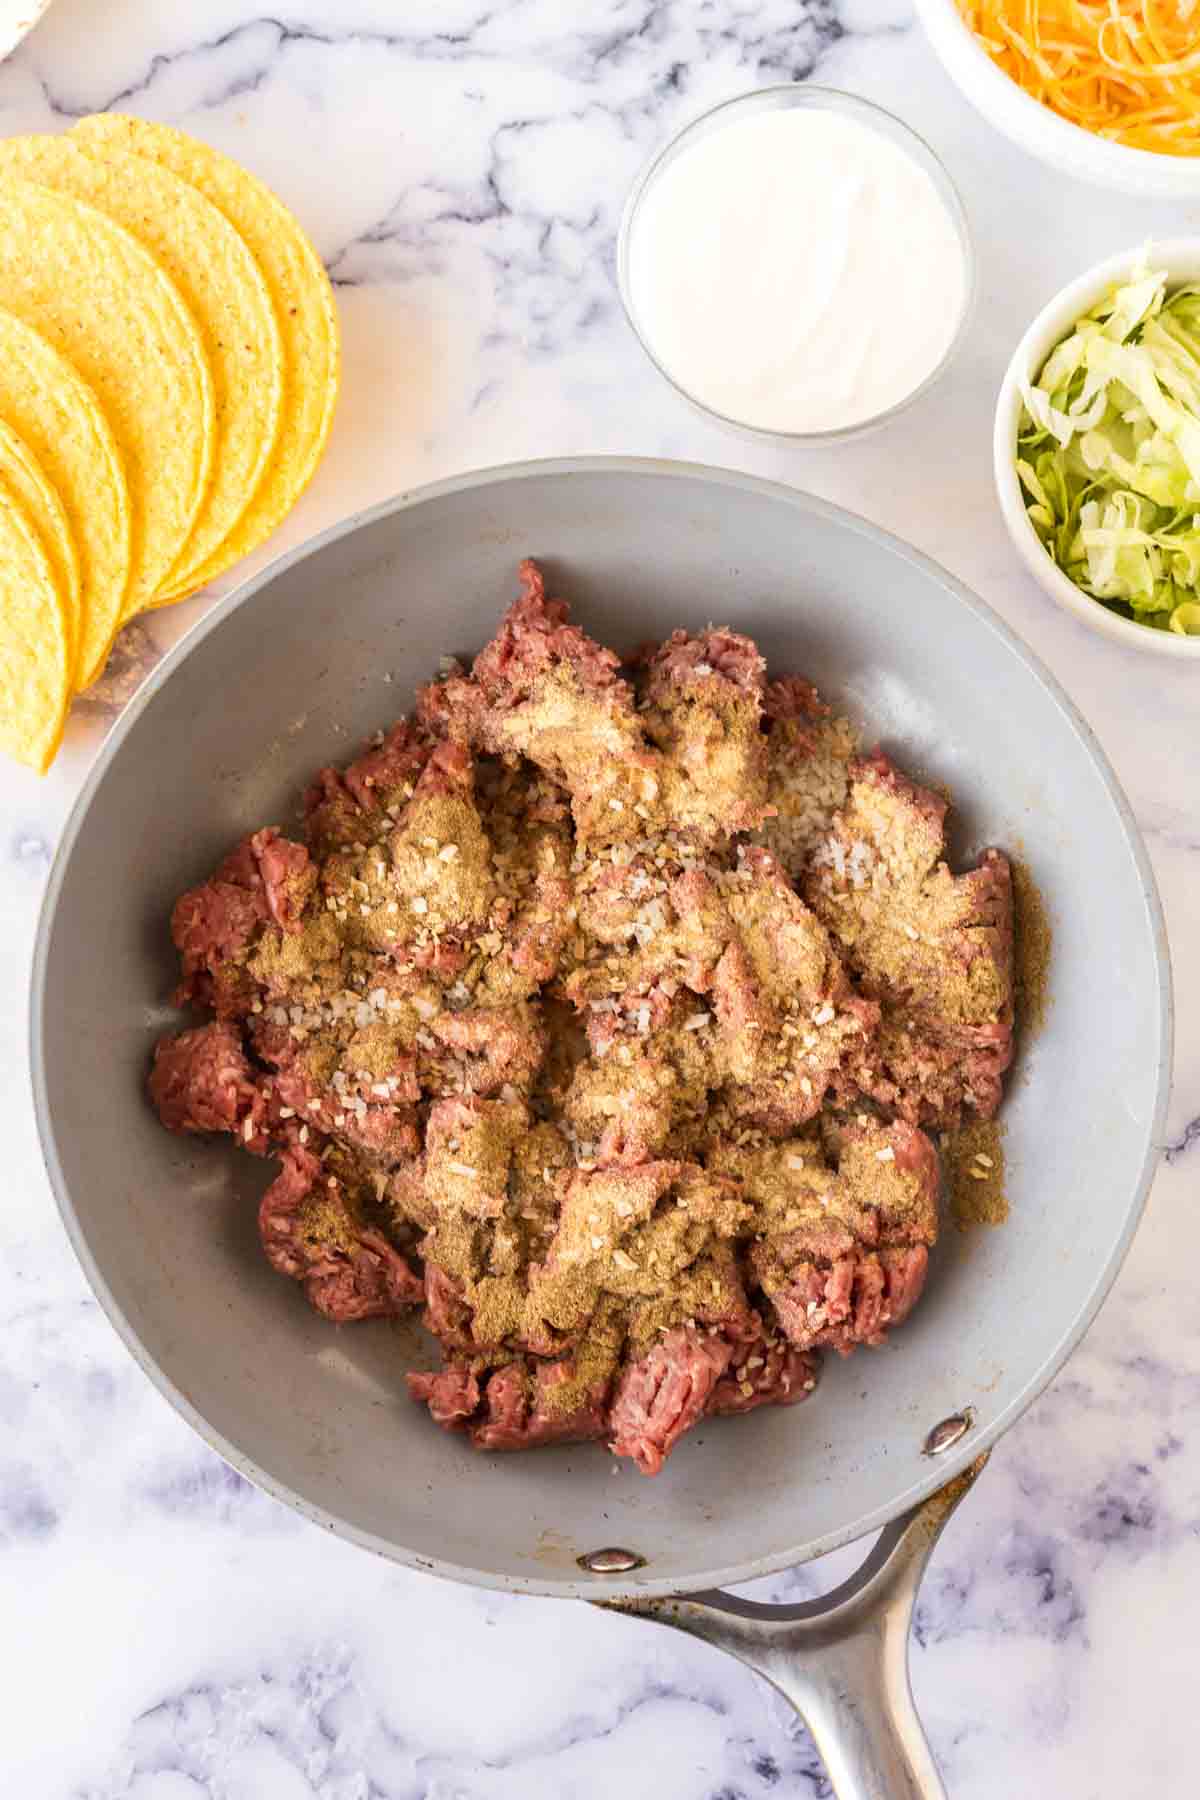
[[293, 671]]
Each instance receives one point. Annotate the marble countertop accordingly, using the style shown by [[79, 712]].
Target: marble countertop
[[170, 1633]]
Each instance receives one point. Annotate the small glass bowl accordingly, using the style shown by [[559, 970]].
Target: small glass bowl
[[770, 99]]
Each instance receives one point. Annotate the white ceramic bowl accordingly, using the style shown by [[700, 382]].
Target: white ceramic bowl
[[1181, 258], [1042, 132], [17, 20]]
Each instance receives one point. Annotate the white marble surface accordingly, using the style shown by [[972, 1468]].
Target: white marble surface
[[168, 1633]]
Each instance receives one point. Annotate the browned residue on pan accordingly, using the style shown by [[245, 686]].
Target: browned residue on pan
[[937, 1509]]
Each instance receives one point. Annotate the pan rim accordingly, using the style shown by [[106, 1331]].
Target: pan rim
[[946, 1467]]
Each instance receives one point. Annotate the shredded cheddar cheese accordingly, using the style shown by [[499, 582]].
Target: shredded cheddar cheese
[[1129, 70]]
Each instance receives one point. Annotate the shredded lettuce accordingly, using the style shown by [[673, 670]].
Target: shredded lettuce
[[1108, 453]]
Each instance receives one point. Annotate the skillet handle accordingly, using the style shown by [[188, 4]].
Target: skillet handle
[[842, 1660]]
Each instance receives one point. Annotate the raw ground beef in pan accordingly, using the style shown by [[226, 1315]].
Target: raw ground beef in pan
[[663, 1393], [702, 708], [933, 948], [770, 1373], [267, 880], [842, 1255], [312, 1229], [596, 1021]]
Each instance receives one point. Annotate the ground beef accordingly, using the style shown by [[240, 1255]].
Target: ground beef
[[505, 1045], [769, 1373], [211, 926], [702, 709], [933, 948], [535, 639], [809, 753], [663, 1393], [930, 1072], [287, 874], [544, 690], [856, 1265], [841, 1295], [523, 1410], [266, 879], [333, 819], [201, 1081], [598, 1017], [451, 1394], [516, 1406], [726, 655], [311, 1229], [373, 1112], [446, 1312], [389, 771], [793, 700]]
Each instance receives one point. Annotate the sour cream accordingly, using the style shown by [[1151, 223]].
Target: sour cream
[[793, 268]]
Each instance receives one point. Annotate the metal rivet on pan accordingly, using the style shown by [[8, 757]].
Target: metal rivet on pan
[[611, 1562], [948, 1432]]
